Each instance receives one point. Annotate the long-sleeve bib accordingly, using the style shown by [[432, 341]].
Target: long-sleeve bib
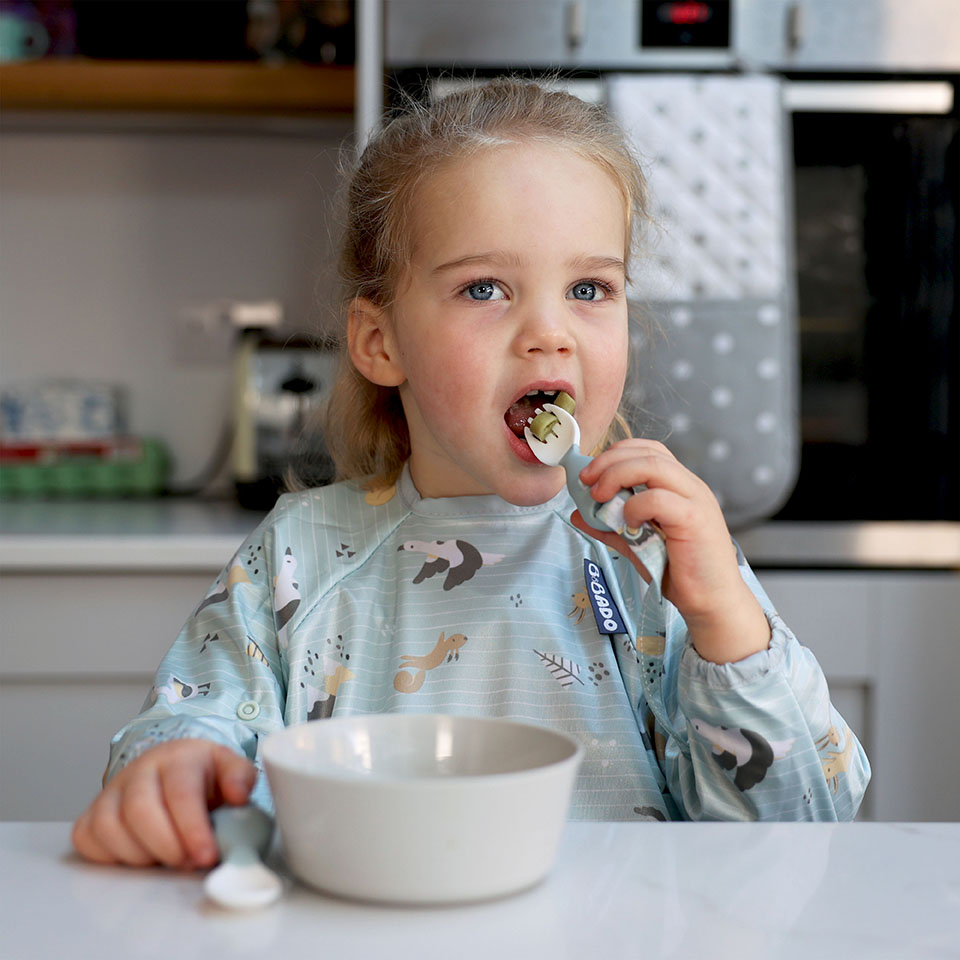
[[346, 601]]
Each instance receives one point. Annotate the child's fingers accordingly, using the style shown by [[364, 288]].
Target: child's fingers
[[677, 515], [234, 775], [190, 788], [110, 833], [157, 808], [145, 814], [653, 471], [629, 450], [185, 797], [625, 450], [87, 844]]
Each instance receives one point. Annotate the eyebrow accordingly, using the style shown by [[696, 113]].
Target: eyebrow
[[513, 260]]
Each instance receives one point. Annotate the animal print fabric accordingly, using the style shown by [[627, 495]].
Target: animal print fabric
[[345, 601]]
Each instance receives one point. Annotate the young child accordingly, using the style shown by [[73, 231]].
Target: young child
[[485, 260]]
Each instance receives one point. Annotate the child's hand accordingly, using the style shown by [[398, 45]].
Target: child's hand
[[702, 579], [156, 810]]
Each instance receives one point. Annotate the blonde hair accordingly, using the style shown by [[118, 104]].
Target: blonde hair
[[366, 433]]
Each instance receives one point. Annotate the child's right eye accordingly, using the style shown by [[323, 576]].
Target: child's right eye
[[484, 290]]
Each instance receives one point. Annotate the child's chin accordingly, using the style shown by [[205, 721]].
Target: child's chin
[[537, 490]]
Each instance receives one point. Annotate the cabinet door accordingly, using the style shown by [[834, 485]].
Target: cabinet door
[[889, 645], [79, 654], [830, 614], [917, 709]]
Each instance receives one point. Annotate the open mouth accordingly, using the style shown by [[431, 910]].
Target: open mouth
[[524, 409]]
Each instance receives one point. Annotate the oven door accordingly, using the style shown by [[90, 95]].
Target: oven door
[[876, 201]]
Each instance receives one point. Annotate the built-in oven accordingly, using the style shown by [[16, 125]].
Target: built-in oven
[[876, 179], [852, 280]]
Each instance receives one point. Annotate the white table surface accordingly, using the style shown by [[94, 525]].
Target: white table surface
[[634, 890]]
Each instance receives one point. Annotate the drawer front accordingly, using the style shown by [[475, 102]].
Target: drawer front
[[98, 623], [831, 614]]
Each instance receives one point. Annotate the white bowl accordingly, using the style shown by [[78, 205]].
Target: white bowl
[[418, 808]]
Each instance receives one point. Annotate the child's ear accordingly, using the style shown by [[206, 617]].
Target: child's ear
[[372, 345]]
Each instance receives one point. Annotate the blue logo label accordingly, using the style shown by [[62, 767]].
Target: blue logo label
[[605, 611]]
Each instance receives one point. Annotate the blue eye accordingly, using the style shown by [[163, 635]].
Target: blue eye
[[585, 290], [484, 290]]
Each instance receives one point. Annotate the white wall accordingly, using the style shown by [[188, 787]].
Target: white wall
[[105, 236]]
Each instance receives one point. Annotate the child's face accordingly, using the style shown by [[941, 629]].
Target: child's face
[[516, 284]]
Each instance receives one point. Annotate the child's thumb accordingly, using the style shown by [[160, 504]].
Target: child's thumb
[[234, 774]]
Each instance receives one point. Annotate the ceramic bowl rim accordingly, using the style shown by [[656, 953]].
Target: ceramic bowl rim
[[344, 776]]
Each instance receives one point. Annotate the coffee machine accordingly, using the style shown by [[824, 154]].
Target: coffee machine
[[281, 389]]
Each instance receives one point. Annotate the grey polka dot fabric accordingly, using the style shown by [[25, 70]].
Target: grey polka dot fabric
[[716, 383], [717, 379]]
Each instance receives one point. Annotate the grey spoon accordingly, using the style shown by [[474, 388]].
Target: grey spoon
[[242, 881]]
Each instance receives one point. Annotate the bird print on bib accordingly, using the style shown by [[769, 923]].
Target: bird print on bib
[[175, 690], [750, 754], [237, 572], [286, 597], [458, 559]]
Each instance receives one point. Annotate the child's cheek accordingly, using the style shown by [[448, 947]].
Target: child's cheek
[[444, 402]]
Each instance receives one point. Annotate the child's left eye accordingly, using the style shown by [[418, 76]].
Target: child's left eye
[[588, 290]]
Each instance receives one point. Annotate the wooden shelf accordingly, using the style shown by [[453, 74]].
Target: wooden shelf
[[182, 87]]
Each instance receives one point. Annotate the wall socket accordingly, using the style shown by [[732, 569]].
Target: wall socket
[[205, 333]]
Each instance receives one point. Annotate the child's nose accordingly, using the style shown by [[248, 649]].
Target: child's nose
[[545, 329]]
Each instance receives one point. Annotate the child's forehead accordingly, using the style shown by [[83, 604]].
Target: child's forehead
[[530, 154], [491, 188]]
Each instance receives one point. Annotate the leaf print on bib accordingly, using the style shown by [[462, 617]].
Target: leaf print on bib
[[565, 672]]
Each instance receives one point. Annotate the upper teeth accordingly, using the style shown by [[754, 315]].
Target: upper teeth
[[549, 393]]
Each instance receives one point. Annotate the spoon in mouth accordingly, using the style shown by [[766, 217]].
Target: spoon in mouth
[[554, 438], [552, 434], [242, 881]]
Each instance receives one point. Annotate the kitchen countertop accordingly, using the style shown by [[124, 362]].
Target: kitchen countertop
[[128, 535], [883, 891], [857, 545], [188, 535]]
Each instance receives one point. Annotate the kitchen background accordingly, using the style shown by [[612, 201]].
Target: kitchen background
[[168, 212]]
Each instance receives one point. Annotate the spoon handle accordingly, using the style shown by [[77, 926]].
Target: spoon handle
[[243, 833]]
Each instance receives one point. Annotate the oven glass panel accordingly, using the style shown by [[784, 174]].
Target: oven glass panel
[[876, 249]]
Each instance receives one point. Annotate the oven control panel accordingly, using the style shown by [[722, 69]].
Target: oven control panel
[[684, 24]]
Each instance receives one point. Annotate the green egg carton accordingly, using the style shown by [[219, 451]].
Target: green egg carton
[[145, 475]]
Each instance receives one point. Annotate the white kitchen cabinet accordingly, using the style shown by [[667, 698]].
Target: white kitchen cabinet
[[889, 644], [91, 596], [79, 654]]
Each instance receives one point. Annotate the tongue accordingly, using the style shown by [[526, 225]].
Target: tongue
[[519, 414]]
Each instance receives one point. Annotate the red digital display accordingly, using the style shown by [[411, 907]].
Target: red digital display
[[685, 13], [675, 24]]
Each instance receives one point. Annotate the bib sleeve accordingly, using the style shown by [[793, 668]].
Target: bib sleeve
[[223, 678], [756, 739]]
